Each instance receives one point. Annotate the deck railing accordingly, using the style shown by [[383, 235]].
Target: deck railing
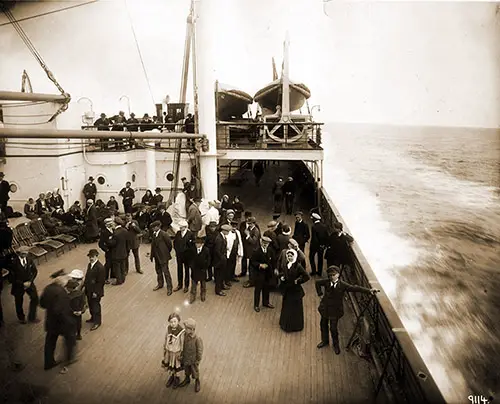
[[263, 135], [127, 142], [400, 367]]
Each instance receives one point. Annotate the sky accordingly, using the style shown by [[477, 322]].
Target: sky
[[415, 63]]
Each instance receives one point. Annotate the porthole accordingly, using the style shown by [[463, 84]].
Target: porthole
[[101, 180], [13, 187], [133, 177], [169, 177]]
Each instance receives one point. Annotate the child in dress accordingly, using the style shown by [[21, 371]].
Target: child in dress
[[192, 354], [172, 349]]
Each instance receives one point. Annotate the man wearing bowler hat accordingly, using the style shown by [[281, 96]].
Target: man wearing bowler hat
[[95, 279], [161, 246], [331, 307], [90, 190], [24, 272], [220, 256]]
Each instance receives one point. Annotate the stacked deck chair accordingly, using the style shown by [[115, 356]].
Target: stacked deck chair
[[20, 237], [41, 237]]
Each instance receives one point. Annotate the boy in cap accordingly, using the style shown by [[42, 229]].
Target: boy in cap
[[77, 299], [200, 262], [192, 354], [23, 276]]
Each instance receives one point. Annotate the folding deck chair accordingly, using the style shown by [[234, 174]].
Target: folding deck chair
[[38, 239], [19, 239]]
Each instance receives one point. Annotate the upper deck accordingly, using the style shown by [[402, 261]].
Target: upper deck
[[247, 357], [236, 140]]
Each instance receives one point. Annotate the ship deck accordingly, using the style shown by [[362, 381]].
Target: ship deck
[[247, 357]]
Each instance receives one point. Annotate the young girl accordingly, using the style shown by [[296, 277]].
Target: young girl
[[172, 349]]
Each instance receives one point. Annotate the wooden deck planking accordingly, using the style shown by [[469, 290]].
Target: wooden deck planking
[[247, 359]]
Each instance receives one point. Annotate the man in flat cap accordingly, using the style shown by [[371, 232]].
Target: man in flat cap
[[262, 265], [319, 241], [23, 276], [161, 246], [183, 246], [95, 278], [220, 256], [90, 190], [211, 234], [251, 236], [331, 307]]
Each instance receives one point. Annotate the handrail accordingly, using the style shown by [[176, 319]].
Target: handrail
[[405, 373]]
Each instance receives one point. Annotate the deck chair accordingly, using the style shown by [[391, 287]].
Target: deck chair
[[21, 237], [40, 238]]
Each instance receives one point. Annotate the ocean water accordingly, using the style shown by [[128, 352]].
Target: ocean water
[[424, 207]]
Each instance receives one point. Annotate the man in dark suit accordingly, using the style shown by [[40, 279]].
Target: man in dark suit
[[338, 251], [105, 244], [59, 319], [157, 197], [90, 190], [134, 241], [331, 307], [194, 216], [94, 288], [91, 227], [220, 259], [200, 261], [164, 217], [23, 276], [319, 240], [289, 189], [262, 264], [4, 193], [183, 245], [301, 233], [128, 196], [251, 236], [161, 246], [118, 244], [211, 234]]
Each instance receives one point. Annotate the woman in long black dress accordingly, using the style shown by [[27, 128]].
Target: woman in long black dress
[[292, 309]]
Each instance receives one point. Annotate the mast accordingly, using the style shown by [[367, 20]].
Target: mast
[[205, 76], [285, 98]]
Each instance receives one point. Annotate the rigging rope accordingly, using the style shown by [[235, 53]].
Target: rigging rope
[[140, 54], [40, 60]]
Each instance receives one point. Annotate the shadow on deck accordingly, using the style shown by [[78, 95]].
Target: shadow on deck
[[247, 358]]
